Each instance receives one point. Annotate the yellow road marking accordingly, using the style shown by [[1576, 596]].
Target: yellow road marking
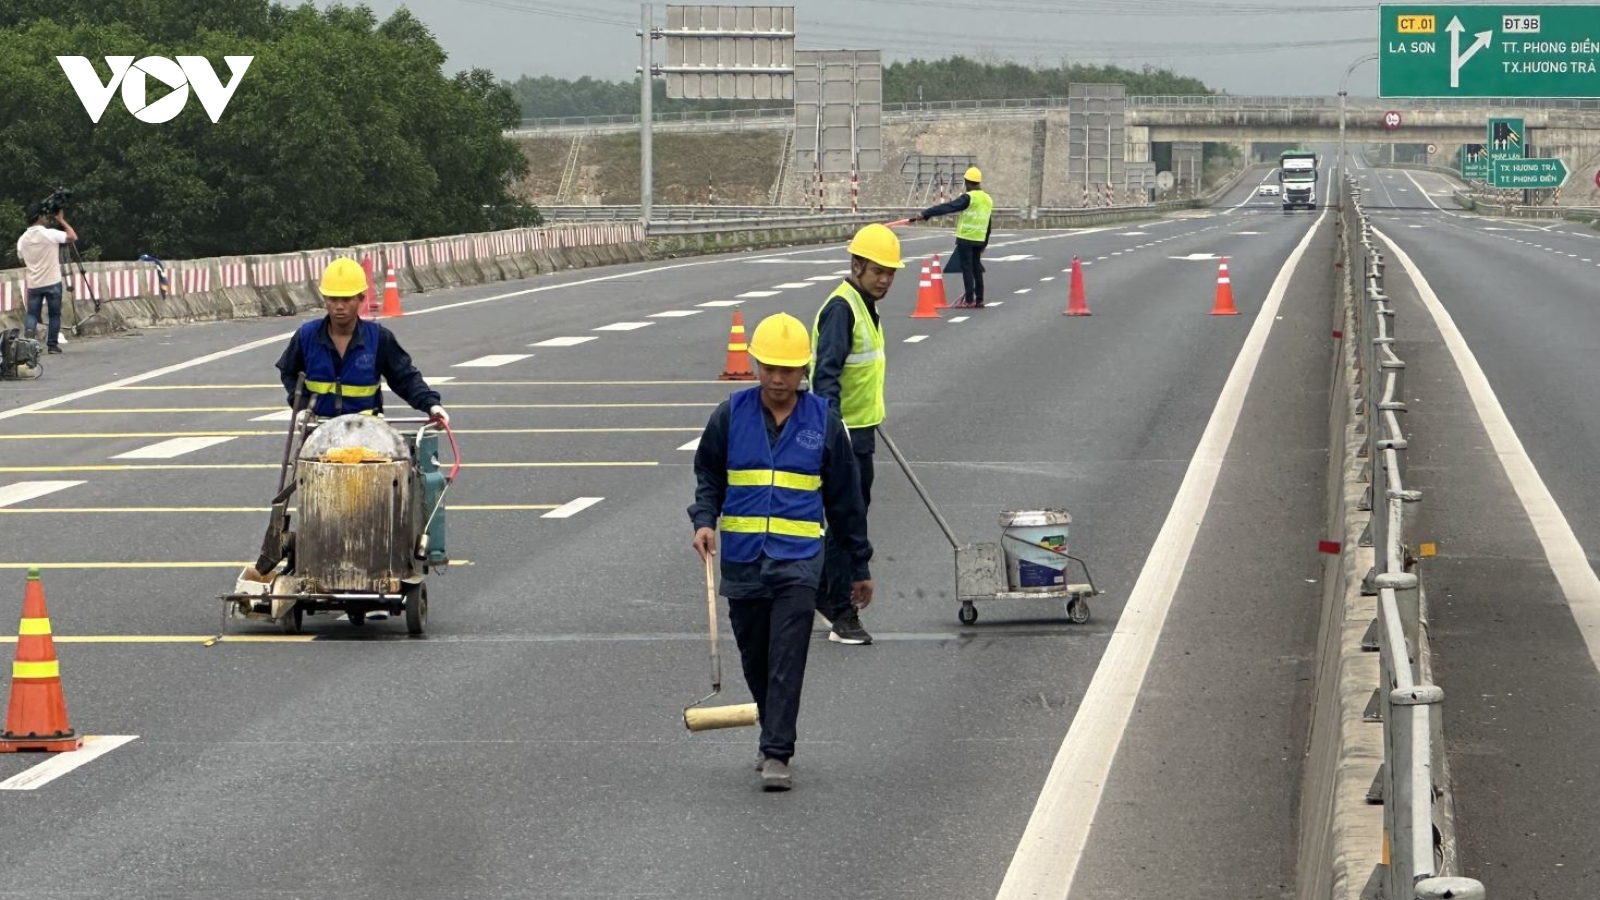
[[95, 510], [174, 639], [113, 467], [156, 565], [115, 435], [454, 384], [162, 410]]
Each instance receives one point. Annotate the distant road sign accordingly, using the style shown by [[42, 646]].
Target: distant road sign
[[1391, 120], [1164, 180], [1488, 51], [1433, 148], [1597, 179], [1528, 174]]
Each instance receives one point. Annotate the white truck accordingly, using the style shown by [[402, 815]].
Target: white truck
[[1297, 172]]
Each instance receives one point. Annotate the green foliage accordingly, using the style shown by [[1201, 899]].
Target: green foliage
[[956, 78], [344, 130]]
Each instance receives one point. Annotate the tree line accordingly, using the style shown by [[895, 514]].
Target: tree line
[[955, 78], [343, 130]]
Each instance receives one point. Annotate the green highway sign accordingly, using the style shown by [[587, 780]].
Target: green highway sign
[[1489, 51], [1506, 139], [1527, 174], [1474, 162]]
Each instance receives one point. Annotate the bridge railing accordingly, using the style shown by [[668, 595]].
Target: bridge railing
[[1408, 705]]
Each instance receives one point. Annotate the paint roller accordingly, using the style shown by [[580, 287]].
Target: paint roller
[[710, 717]]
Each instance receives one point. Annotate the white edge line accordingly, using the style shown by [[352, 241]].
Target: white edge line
[[94, 746], [1566, 556], [1047, 857], [571, 508]]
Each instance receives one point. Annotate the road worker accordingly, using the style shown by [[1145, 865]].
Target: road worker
[[848, 373], [972, 234], [774, 464], [343, 356]]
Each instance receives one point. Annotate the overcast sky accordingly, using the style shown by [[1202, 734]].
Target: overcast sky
[[1244, 47]]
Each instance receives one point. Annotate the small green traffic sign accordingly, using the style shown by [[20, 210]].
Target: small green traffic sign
[[1527, 174], [1489, 51], [1474, 162], [1505, 139]]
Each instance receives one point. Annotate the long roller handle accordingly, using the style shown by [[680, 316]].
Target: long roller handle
[[917, 486], [711, 615]]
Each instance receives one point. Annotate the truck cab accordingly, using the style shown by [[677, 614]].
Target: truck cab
[[1297, 173]]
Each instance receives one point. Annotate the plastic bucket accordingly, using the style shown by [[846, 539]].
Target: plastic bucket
[[1034, 569]]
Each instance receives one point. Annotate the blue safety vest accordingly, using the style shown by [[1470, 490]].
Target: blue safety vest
[[340, 390], [774, 499]]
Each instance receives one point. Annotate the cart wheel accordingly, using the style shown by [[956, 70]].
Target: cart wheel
[[416, 607], [291, 622], [968, 614], [1077, 610]]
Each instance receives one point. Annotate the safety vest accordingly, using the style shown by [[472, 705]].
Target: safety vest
[[861, 382], [341, 389], [774, 499], [974, 222]]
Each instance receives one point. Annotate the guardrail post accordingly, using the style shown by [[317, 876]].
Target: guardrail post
[[1409, 794], [1405, 587]]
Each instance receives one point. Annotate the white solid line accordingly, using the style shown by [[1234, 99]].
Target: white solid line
[[173, 448], [1566, 556], [571, 508], [624, 326], [1047, 857], [94, 746], [675, 314], [565, 341], [692, 445], [23, 491], [1024, 291], [791, 285], [721, 303], [959, 319], [493, 360], [758, 294], [916, 339]]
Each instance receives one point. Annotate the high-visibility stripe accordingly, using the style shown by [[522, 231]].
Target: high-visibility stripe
[[765, 477], [347, 390], [759, 525], [856, 359], [51, 669], [34, 626]]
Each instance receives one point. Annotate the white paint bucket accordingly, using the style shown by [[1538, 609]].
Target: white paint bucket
[[1032, 569]]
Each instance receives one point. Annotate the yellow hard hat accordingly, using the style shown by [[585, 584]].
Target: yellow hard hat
[[780, 340], [879, 244], [343, 277], [974, 175]]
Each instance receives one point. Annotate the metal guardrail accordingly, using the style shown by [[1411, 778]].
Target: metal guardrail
[[943, 108], [1409, 707]]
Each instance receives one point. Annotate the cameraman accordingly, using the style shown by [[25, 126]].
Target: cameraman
[[39, 250]]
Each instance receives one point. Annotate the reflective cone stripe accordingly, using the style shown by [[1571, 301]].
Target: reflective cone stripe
[[34, 626], [51, 669]]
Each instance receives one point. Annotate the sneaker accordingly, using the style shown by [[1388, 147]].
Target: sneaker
[[52, 350], [775, 775], [847, 629]]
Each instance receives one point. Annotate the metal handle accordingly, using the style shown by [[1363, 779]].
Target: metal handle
[[711, 614], [917, 486]]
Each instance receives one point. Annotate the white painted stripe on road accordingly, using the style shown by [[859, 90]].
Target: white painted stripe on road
[[94, 747], [572, 508], [692, 445], [23, 491], [1048, 278], [1566, 556], [493, 360], [823, 278], [282, 415], [624, 326], [565, 341], [748, 295], [997, 303], [959, 319], [173, 448], [790, 285], [1046, 859], [675, 314], [722, 303], [916, 339], [1024, 291]]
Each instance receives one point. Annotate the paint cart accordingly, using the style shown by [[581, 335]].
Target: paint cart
[[1030, 562], [368, 530]]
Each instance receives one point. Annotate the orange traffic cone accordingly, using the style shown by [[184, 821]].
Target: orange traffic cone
[[938, 284], [369, 300], [37, 717], [1077, 300], [927, 301], [737, 367], [391, 297], [1224, 304]]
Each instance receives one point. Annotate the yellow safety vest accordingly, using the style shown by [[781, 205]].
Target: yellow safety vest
[[974, 222], [861, 382]]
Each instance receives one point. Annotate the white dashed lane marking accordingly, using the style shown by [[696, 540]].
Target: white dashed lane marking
[[493, 360], [172, 448], [23, 491]]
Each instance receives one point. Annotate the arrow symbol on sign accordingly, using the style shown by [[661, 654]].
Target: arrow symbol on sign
[[1457, 58]]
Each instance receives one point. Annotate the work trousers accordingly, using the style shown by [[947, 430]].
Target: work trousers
[[774, 634], [38, 300], [833, 600], [971, 259]]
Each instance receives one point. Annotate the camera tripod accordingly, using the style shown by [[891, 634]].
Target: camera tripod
[[69, 256]]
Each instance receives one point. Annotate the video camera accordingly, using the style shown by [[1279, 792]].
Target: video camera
[[58, 198]]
